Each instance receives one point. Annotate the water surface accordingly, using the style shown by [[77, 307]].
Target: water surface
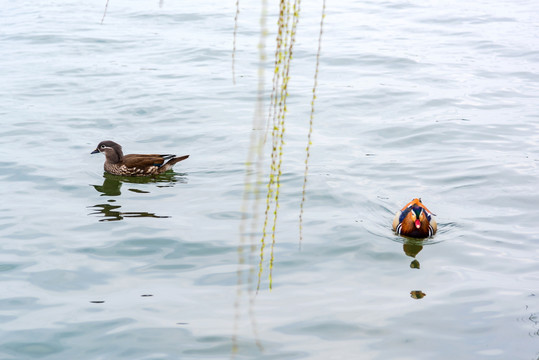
[[436, 100]]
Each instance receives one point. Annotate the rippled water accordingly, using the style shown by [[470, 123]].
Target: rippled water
[[435, 100]]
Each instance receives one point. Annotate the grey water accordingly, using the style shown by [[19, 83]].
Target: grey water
[[436, 100]]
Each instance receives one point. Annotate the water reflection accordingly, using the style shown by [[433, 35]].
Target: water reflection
[[411, 248], [111, 187], [112, 183], [417, 294], [110, 213]]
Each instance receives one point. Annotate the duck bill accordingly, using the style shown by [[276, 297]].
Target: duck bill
[[417, 223], [95, 151]]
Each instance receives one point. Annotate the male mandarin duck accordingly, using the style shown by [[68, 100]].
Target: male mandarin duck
[[134, 164], [415, 220]]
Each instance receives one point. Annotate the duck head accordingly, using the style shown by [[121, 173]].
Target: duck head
[[418, 216], [111, 150]]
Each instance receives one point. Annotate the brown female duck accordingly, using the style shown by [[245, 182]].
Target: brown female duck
[[134, 164], [415, 220]]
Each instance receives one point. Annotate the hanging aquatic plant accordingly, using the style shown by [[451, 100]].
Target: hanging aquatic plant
[[289, 14], [286, 36], [252, 181], [105, 12], [311, 121]]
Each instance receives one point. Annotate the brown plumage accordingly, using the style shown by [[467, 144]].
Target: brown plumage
[[415, 220], [134, 164]]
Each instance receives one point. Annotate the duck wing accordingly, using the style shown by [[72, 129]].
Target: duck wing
[[145, 160]]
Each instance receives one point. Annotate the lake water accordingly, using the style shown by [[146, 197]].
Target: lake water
[[437, 100]]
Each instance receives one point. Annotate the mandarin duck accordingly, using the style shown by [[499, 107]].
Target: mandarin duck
[[415, 220], [117, 163]]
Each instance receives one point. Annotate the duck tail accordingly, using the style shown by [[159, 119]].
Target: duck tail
[[169, 164]]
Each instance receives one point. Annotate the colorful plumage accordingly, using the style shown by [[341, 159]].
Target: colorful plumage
[[415, 220], [134, 164]]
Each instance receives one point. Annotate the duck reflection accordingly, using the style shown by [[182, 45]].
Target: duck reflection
[[109, 213], [112, 185], [417, 294], [411, 248]]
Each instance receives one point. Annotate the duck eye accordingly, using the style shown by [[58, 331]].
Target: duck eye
[[102, 146]]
